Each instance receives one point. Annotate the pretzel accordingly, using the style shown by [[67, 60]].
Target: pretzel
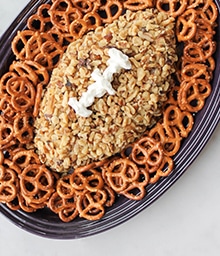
[[8, 188], [170, 144], [91, 204], [182, 120], [39, 47], [6, 132], [110, 11], [147, 151], [64, 188], [193, 93], [36, 184], [195, 71], [86, 179], [78, 28], [39, 92], [199, 51], [22, 93], [135, 5], [137, 189], [164, 170], [23, 157], [41, 20], [120, 173], [62, 15], [173, 7], [186, 25], [23, 130], [93, 20], [32, 70], [86, 6], [65, 208]]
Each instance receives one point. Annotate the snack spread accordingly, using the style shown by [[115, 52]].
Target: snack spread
[[136, 125]]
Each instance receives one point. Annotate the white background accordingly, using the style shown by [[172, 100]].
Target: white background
[[184, 221]]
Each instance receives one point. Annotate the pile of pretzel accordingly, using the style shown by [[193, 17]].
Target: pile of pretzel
[[27, 184]]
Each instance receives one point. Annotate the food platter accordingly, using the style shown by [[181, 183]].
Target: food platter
[[44, 223]]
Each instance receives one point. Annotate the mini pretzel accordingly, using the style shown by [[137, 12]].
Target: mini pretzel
[[62, 15], [64, 189], [23, 157], [170, 144], [36, 184], [93, 20], [193, 93], [135, 5], [22, 93], [182, 120], [91, 204], [41, 20], [120, 173], [23, 130], [195, 71], [137, 189], [66, 209], [39, 91], [147, 151], [86, 6], [110, 11], [164, 170], [6, 132], [173, 7], [32, 70], [199, 52], [78, 28], [8, 188], [186, 25], [86, 179]]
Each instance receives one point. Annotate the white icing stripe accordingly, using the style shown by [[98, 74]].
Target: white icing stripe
[[102, 84]]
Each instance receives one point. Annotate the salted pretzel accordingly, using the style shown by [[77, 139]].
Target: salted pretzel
[[182, 120], [92, 20], [170, 144], [37, 184], [106, 11], [164, 170], [199, 52], [62, 15], [32, 70], [21, 92], [195, 71], [147, 151], [64, 207], [23, 157], [8, 188], [192, 94], [78, 28], [6, 132], [23, 130], [37, 46], [173, 7], [135, 5], [86, 179], [137, 189], [120, 173], [91, 205], [40, 21], [86, 6], [186, 25]]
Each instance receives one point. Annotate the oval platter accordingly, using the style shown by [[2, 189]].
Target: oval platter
[[45, 223]]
